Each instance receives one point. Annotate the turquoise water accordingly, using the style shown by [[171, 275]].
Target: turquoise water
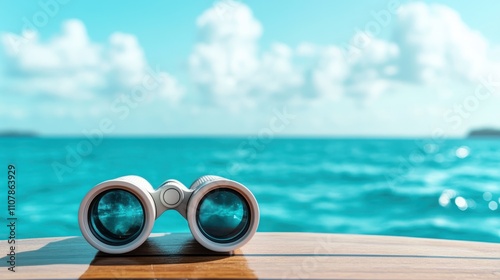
[[417, 188]]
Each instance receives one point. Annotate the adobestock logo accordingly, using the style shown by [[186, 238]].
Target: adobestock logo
[[364, 37], [472, 102], [48, 9], [454, 118]]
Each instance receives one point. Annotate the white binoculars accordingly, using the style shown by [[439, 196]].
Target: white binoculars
[[117, 216]]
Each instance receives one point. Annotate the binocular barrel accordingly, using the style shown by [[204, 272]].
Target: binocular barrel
[[117, 216]]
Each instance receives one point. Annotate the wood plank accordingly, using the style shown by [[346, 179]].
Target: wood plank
[[268, 255]]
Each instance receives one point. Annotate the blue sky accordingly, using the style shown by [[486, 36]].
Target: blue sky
[[363, 68]]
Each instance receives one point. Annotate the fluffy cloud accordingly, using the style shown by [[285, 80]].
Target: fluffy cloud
[[373, 71], [329, 73], [436, 44], [430, 44], [227, 62], [71, 66]]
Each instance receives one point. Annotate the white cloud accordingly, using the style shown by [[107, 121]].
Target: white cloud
[[306, 49], [367, 74], [71, 66], [127, 63], [373, 70], [416, 53], [227, 61], [329, 73], [277, 72], [430, 45], [436, 44], [170, 89]]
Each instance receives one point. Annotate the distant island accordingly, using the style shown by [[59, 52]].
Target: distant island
[[484, 132], [17, 133]]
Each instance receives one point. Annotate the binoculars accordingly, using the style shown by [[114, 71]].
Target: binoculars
[[117, 216]]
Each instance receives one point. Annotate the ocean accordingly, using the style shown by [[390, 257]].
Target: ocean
[[446, 189]]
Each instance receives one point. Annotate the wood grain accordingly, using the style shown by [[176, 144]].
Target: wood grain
[[267, 256]]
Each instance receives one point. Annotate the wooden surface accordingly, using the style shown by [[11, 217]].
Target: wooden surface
[[267, 256]]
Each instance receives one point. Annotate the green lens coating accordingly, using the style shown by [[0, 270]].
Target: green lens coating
[[223, 215], [116, 217]]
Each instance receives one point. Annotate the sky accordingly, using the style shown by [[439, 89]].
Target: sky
[[280, 68]]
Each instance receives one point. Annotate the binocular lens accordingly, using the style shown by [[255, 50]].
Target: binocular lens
[[223, 215], [116, 217]]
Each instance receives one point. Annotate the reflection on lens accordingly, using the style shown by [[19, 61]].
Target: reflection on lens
[[223, 215], [116, 217]]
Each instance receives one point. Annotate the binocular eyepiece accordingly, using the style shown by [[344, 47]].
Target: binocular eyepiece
[[117, 216]]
